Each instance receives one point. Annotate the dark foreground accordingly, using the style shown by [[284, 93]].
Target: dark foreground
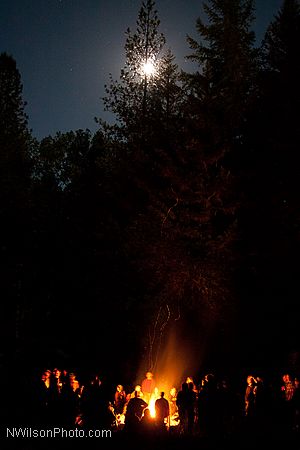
[[170, 441]]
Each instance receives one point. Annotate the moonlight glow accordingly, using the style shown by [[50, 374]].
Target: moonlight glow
[[148, 69]]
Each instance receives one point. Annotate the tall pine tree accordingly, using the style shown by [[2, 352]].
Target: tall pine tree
[[281, 64], [15, 148], [269, 218], [144, 97], [227, 60], [14, 134]]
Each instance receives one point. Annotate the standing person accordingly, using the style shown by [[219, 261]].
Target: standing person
[[57, 377], [192, 399], [41, 399], [119, 400], [262, 405], [250, 408], [287, 403], [70, 401], [54, 405], [182, 403], [94, 404], [208, 406], [148, 386], [191, 380], [134, 413], [288, 387], [250, 396], [162, 412]]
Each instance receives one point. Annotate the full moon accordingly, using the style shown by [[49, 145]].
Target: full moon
[[148, 69]]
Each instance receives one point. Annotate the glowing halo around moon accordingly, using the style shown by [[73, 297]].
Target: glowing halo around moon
[[148, 69]]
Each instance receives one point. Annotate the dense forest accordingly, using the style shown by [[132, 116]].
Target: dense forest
[[182, 217]]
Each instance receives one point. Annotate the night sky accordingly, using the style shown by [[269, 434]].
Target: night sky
[[65, 50]]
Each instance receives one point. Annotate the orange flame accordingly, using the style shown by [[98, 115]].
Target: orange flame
[[152, 406]]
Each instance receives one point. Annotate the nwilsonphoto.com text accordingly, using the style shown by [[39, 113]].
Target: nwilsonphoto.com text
[[56, 432]]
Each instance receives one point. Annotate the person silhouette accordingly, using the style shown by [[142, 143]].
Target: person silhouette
[[148, 386], [134, 412], [162, 412]]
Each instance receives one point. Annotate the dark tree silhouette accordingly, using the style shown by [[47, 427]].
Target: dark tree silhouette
[[269, 218], [181, 227], [15, 149], [187, 203], [221, 88]]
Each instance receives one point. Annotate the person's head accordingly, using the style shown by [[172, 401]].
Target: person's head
[[147, 414], [56, 372], [250, 380], [120, 388], [286, 378], [72, 377], [138, 388], [162, 394], [46, 375], [149, 375]]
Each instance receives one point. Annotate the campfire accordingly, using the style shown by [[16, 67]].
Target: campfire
[[173, 419]]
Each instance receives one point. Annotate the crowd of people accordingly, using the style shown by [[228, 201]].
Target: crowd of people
[[209, 407]]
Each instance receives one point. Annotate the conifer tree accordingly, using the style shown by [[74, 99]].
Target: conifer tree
[[281, 42], [280, 94], [279, 114], [138, 99], [179, 224], [15, 138], [281, 71], [227, 60], [269, 217], [12, 114], [169, 97], [15, 148]]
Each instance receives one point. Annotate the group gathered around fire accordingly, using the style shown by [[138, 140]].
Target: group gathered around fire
[[211, 407]]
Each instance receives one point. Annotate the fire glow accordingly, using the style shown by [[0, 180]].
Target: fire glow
[[151, 405]]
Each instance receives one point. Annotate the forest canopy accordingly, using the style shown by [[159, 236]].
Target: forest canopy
[[183, 214]]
